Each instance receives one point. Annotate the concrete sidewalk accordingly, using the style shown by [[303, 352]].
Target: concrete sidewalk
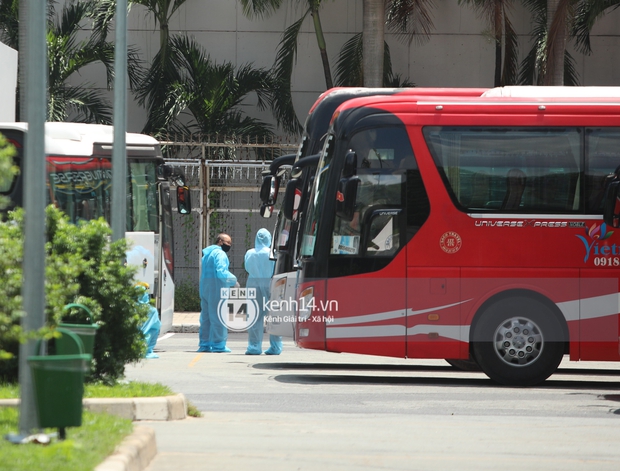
[[185, 322]]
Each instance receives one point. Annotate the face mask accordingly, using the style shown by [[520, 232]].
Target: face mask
[[225, 247]]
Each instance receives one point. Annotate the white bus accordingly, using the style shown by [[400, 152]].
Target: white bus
[[79, 177]]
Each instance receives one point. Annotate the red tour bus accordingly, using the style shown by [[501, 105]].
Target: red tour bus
[[467, 229]]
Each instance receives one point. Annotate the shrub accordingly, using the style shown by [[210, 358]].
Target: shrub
[[81, 266]]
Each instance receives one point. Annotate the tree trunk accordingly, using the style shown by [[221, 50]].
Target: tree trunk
[[373, 42], [556, 43], [320, 39], [498, 27]]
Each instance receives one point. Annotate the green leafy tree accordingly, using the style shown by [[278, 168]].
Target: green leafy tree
[[10, 254], [212, 93], [81, 266], [104, 279], [67, 55], [154, 86]]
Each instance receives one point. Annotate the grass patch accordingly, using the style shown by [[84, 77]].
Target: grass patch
[[9, 391], [85, 446], [129, 389], [192, 410]]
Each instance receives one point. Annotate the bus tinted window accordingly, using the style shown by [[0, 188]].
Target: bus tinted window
[[532, 170], [603, 157]]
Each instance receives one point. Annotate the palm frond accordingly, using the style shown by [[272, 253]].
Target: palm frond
[[571, 76], [260, 8], [588, 12], [81, 104], [410, 19], [511, 54], [349, 70]]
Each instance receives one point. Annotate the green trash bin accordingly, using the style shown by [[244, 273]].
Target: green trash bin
[[86, 333], [58, 382]]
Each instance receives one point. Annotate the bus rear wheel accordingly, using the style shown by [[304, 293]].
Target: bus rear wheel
[[518, 341]]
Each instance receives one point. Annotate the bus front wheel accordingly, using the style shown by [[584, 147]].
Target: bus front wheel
[[518, 341]]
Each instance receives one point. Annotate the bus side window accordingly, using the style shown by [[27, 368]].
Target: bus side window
[[515, 186]]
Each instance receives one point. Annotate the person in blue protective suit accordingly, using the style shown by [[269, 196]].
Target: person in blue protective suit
[[260, 270], [150, 329], [213, 277]]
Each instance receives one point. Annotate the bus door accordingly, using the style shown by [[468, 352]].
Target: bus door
[[599, 304], [367, 260]]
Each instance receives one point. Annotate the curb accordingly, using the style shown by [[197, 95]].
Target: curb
[[185, 329], [134, 409], [134, 453]]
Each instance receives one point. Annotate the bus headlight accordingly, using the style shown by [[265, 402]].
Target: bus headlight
[[306, 302], [279, 289]]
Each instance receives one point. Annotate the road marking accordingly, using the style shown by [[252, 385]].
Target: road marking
[[166, 336], [195, 360]]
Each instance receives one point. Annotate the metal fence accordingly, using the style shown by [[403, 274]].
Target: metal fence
[[224, 178]]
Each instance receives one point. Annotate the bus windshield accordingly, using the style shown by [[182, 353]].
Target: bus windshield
[[317, 195], [81, 187]]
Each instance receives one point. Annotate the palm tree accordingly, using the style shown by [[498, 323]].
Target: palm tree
[[210, 94], [287, 50], [349, 71], [287, 53], [67, 55], [365, 58], [373, 42], [504, 36], [152, 90], [556, 21], [9, 23]]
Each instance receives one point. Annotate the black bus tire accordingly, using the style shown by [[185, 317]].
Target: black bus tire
[[518, 341]]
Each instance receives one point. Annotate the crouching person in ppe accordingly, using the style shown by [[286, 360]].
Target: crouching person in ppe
[[214, 276], [150, 329], [260, 270]]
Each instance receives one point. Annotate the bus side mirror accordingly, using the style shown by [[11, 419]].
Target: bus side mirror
[[288, 205], [611, 208], [350, 165], [346, 197], [184, 203], [269, 189], [266, 210]]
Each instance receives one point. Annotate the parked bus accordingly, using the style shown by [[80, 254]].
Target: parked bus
[[79, 173], [303, 168], [467, 229]]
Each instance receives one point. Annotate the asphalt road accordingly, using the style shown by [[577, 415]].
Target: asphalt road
[[312, 410]]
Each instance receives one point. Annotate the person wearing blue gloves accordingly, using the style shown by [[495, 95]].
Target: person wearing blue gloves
[[260, 270], [213, 277]]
